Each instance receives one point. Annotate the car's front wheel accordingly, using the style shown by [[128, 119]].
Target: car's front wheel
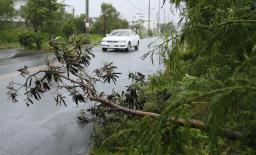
[[137, 46], [128, 47], [104, 49]]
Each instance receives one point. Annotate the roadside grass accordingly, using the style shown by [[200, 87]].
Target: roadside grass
[[7, 45], [46, 46], [95, 38], [92, 39], [9, 37]]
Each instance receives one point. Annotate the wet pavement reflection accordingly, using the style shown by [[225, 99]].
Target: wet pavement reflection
[[47, 129]]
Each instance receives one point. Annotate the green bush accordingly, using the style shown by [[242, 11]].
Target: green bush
[[9, 34], [209, 76], [39, 39], [27, 39], [30, 39], [68, 29], [83, 38]]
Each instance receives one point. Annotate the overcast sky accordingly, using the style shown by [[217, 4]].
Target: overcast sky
[[127, 8]]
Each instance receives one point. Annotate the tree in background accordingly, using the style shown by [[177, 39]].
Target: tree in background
[[138, 27], [60, 19], [6, 11], [109, 15], [37, 12], [68, 28], [73, 25], [47, 19], [109, 20], [79, 24], [53, 24]]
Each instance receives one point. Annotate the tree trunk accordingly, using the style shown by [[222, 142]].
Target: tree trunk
[[38, 37]]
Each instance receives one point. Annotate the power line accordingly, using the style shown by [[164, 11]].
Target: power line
[[136, 6]]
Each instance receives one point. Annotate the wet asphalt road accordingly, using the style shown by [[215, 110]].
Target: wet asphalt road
[[44, 128]]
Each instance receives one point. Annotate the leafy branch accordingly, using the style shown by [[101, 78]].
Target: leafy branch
[[69, 74]]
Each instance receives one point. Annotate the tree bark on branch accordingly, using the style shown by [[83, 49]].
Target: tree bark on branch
[[193, 123], [92, 95]]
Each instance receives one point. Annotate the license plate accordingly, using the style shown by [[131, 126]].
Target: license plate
[[111, 45]]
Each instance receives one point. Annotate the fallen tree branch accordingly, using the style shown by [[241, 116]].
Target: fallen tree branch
[[73, 62], [193, 123], [197, 124], [123, 109]]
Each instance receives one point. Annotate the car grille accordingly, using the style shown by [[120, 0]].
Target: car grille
[[112, 41]]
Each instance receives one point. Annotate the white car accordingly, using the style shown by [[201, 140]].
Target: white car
[[121, 39]]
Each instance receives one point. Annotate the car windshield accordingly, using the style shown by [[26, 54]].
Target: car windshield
[[120, 33]]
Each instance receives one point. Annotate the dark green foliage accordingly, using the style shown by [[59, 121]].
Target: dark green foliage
[[109, 20], [75, 25], [10, 31], [68, 28], [30, 39], [83, 38], [6, 9], [210, 76], [37, 12], [7, 32], [47, 17], [27, 39], [79, 24], [54, 23]]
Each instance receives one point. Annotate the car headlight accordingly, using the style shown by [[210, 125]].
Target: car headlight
[[103, 41], [123, 41]]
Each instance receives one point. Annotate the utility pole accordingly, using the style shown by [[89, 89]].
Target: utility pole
[[73, 12], [159, 17], [149, 13], [87, 16]]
